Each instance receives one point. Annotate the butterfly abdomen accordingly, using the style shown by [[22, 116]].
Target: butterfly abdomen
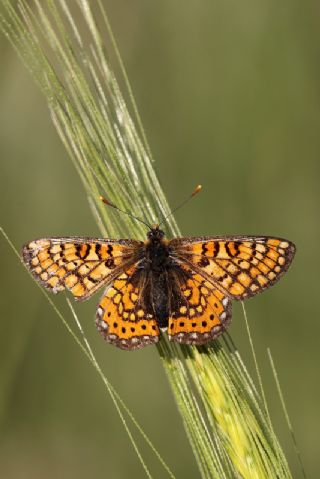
[[155, 264]]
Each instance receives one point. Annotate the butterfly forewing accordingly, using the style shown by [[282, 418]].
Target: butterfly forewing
[[239, 266], [81, 265]]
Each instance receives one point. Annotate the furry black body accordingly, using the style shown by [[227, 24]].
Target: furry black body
[[159, 275]]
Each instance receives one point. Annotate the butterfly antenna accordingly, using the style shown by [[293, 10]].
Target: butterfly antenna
[[194, 193], [108, 203]]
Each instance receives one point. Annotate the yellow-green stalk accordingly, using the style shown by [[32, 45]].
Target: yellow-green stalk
[[224, 417]]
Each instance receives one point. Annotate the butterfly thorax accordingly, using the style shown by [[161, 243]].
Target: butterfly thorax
[[156, 252]]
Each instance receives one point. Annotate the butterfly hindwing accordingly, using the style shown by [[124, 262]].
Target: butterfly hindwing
[[81, 265], [123, 316], [240, 266], [203, 312]]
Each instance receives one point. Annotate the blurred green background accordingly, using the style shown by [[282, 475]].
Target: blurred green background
[[229, 94]]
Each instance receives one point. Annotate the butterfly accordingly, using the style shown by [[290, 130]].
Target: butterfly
[[184, 285]]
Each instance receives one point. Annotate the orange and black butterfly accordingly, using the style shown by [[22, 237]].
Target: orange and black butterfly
[[182, 285]]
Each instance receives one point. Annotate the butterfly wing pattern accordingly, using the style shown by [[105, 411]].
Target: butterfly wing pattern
[[185, 285], [203, 311], [241, 266], [222, 269], [123, 315], [81, 265]]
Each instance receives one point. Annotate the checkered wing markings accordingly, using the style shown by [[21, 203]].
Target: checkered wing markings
[[122, 316], [81, 265], [203, 313], [239, 266]]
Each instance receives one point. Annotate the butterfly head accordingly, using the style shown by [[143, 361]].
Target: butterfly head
[[155, 233]]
